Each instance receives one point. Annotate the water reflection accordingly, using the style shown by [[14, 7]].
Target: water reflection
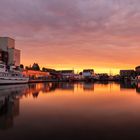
[[130, 85], [85, 107], [9, 104]]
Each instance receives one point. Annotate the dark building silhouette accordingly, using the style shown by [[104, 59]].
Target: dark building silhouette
[[137, 69], [4, 56], [127, 74]]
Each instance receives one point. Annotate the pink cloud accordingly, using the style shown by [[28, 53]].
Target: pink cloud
[[73, 31]]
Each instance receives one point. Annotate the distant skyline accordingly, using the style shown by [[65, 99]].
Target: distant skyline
[[76, 34]]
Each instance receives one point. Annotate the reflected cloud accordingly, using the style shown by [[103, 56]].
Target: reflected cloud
[[11, 95]]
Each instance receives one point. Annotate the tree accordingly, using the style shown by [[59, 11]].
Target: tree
[[35, 67], [26, 68], [21, 66], [43, 69]]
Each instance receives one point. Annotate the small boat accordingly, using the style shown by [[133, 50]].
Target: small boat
[[11, 76]]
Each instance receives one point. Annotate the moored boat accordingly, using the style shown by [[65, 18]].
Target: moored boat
[[11, 76]]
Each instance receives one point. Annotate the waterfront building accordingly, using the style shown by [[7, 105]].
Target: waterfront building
[[103, 76], [14, 57], [53, 73], [87, 73], [137, 69], [66, 73], [4, 56], [49, 70], [6, 43], [8, 53], [36, 75], [127, 74], [77, 77]]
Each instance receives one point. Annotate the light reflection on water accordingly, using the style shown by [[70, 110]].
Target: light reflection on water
[[70, 111]]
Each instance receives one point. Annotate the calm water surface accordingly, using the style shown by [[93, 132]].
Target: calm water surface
[[70, 111]]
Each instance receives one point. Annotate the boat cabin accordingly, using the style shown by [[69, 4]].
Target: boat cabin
[[2, 68]]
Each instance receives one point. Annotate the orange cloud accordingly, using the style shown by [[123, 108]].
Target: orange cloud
[[76, 34]]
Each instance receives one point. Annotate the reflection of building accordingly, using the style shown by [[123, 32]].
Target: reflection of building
[[127, 85], [66, 86], [10, 103], [7, 46], [16, 105], [34, 89], [138, 88], [9, 108], [35, 94], [88, 86]]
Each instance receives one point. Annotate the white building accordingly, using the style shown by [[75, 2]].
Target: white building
[[8, 45], [6, 42], [87, 73], [14, 57]]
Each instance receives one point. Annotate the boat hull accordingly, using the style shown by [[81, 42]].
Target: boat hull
[[14, 81]]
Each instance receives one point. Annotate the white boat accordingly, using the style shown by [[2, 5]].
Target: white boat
[[11, 76]]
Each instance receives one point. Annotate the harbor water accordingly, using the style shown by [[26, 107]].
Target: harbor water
[[70, 111]]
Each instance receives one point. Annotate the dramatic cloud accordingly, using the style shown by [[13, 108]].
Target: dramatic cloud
[[78, 33]]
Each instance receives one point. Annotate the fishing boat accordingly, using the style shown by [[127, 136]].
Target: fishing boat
[[9, 75]]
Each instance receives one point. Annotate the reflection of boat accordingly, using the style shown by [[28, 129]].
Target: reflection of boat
[[11, 76], [11, 89], [10, 104]]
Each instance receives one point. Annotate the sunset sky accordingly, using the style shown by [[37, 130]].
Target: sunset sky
[[74, 34]]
